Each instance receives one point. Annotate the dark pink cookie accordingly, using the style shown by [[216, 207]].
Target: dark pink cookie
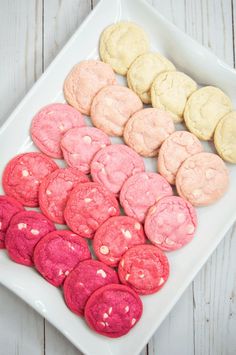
[[145, 268], [171, 223], [113, 165], [25, 230], [49, 125], [55, 189], [58, 253], [86, 278], [115, 236], [88, 206], [79, 145], [8, 208], [113, 310], [141, 191], [23, 175]]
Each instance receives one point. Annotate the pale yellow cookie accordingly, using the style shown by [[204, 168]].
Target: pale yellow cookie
[[121, 43], [143, 71], [204, 109], [170, 91], [225, 137]]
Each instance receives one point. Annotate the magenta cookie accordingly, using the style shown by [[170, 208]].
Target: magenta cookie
[[55, 189], [141, 191], [144, 268], [23, 175], [115, 236], [58, 253], [86, 278], [25, 230], [171, 223], [88, 206], [113, 165], [113, 310], [79, 145], [8, 208], [49, 125]]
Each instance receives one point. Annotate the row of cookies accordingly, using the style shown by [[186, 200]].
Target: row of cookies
[[154, 79]]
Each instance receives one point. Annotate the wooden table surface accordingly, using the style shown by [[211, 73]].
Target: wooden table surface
[[31, 34]]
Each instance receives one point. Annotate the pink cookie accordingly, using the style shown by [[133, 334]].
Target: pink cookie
[[58, 253], [174, 151], [202, 179], [8, 208], [23, 175], [55, 189], [86, 278], [112, 107], [25, 230], [141, 191], [115, 236], [88, 206], [113, 310], [84, 81], [171, 223], [79, 145], [113, 165], [144, 268], [49, 125]]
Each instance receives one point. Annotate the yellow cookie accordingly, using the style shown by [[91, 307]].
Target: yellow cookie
[[170, 91], [121, 44], [143, 71], [204, 109], [225, 137]]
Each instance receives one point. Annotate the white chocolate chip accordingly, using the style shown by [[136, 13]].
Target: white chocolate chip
[[48, 192], [197, 193], [102, 323], [61, 127], [34, 231], [181, 217], [133, 321], [21, 225], [190, 228], [152, 210], [104, 250], [137, 226], [0, 225], [105, 315], [112, 259], [102, 273], [161, 281], [87, 139], [103, 145], [25, 173], [66, 272], [106, 324], [110, 310], [122, 263], [112, 210], [127, 276], [71, 246], [60, 273], [126, 233], [126, 309], [141, 276], [81, 284], [87, 200], [169, 241]]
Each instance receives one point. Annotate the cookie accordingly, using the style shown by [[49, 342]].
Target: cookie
[[143, 71], [58, 253], [24, 232], [86, 278], [147, 129], [113, 310], [170, 91], [171, 223], [202, 179], [175, 149], [55, 190], [24, 173], [115, 236], [144, 268], [204, 109], [79, 145], [8, 208], [121, 43], [225, 137], [142, 191], [84, 81], [112, 107], [49, 125], [113, 165], [89, 205]]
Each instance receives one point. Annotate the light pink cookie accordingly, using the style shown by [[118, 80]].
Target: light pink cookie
[[171, 223], [141, 191], [202, 179], [147, 129], [175, 149], [113, 165], [79, 145], [112, 107], [84, 81], [49, 125]]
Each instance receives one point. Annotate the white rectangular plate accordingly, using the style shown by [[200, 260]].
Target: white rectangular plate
[[214, 220]]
